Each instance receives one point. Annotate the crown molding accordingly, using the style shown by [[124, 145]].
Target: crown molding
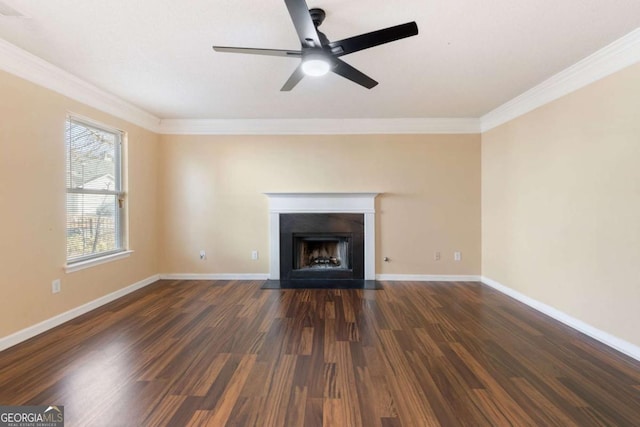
[[608, 60], [25, 65], [319, 126], [36, 70]]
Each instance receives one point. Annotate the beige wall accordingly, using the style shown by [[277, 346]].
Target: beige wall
[[32, 208], [212, 196], [561, 204]]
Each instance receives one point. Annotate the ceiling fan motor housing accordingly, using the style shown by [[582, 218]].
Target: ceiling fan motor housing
[[317, 16]]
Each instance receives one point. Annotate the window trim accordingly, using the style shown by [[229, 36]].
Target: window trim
[[122, 241], [102, 259]]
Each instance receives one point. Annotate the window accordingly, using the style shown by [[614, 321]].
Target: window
[[95, 198]]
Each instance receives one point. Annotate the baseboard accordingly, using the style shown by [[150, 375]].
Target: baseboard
[[215, 276], [265, 276], [32, 331], [614, 342], [426, 278]]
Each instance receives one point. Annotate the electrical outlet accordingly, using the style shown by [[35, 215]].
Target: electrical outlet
[[203, 254], [436, 256], [55, 286], [457, 256], [254, 255]]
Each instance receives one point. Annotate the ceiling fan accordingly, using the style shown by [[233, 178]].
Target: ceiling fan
[[318, 55]]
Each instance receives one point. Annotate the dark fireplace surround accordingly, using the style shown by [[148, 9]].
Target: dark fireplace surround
[[327, 246]]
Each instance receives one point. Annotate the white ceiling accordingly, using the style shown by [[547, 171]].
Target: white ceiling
[[470, 56]]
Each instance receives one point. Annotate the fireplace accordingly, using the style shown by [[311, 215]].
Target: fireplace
[[360, 246], [321, 246]]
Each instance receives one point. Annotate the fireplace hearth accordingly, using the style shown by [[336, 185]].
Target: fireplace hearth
[[285, 204]]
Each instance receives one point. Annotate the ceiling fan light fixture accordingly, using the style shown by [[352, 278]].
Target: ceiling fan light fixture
[[315, 65]]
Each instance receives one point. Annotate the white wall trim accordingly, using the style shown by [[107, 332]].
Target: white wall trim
[[426, 278], [265, 276], [621, 345], [32, 331], [320, 126], [608, 60], [214, 276], [77, 266], [25, 65]]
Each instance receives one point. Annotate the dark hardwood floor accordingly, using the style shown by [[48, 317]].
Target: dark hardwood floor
[[413, 354]]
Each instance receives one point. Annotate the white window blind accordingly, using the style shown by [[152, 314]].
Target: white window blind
[[95, 198]]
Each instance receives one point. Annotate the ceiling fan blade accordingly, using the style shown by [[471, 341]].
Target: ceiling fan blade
[[374, 38], [301, 18], [295, 78], [256, 51], [348, 72]]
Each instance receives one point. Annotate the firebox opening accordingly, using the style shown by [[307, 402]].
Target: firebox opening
[[321, 252]]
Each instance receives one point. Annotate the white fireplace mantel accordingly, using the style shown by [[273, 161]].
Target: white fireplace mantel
[[363, 203]]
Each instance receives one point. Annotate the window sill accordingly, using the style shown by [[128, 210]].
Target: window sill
[[70, 268]]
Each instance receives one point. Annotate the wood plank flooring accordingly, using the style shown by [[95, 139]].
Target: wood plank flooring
[[181, 353]]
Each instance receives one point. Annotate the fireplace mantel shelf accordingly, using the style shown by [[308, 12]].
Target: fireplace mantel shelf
[[354, 202], [321, 202], [339, 194]]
